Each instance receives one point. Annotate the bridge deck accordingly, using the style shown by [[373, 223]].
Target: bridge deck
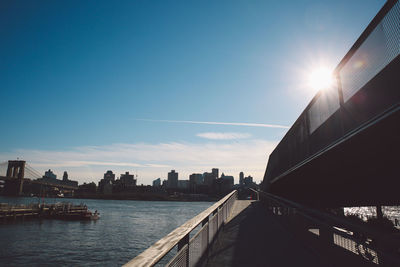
[[253, 237]]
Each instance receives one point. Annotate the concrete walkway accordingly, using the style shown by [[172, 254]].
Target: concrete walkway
[[238, 207], [254, 237]]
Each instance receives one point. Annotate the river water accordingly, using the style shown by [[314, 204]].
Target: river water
[[124, 230]]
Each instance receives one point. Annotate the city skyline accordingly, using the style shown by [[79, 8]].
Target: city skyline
[[111, 175], [161, 86]]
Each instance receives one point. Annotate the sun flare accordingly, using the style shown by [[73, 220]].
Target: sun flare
[[320, 79]]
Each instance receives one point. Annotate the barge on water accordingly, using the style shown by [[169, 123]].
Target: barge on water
[[64, 211]]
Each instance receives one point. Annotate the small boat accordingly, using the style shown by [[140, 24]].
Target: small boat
[[70, 212], [95, 216], [88, 215]]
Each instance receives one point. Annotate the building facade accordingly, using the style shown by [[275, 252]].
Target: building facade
[[127, 179], [157, 182], [172, 179]]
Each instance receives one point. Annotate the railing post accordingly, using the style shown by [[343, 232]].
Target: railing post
[[204, 222], [184, 241], [217, 214]]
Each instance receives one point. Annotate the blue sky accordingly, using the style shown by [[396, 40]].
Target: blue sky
[[77, 78]]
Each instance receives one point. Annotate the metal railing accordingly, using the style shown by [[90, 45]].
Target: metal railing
[[190, 250], [371, 245]]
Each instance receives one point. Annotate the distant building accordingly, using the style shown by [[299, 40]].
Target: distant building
[[157, 182], [208, 178], [228, 180], [65, 176], [248, 181], [87, 188], [241, 177], [172, 179], [105, 186], [49, 174], [50, 177], [183, 184], [165, 183], [196, 178], [223, 185], [215, 173], [109, 175], [127, 179]]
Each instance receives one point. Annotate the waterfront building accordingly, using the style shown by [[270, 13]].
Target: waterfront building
[[195, 179], [109, 175], [49, 174], [241, 178], [228, 180], [157, 182], [183, 184], [223, 185], [65, 176], [50, 177], [248, 181], [215, 173], [85, 188], [128, 179], [105, 187], [172, 179], [208, 178]]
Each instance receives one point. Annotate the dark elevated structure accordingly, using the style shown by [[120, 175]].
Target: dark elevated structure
[[344, 148]]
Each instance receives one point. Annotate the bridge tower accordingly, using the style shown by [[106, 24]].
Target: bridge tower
[[16, 170]]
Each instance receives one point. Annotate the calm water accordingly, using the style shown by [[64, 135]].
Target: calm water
[[125, 229]]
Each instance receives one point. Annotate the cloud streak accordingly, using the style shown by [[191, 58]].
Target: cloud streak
[[246, 124], [223, 136]]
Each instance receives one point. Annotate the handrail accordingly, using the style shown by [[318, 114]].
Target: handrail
[[326, 217], [329, 221], [159, 249]]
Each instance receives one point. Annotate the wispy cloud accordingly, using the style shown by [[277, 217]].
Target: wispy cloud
[[247, 124], [223, 136], [88, 163]]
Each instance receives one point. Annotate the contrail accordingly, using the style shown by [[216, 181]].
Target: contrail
[[222, 123]]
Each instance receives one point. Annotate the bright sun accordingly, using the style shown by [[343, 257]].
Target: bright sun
[[320, 79]]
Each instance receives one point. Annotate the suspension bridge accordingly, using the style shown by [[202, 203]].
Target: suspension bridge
[[18, 173]]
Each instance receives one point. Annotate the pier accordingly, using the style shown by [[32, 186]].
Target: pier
[[44, 211], [272, 231]]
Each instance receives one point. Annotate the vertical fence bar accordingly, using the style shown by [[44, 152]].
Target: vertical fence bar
[[184, 241]]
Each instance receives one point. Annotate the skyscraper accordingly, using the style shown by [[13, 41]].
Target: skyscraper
[[215, 171], [208, 178], [157, 182], [172, 179], [65, 176], [241, 177]]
